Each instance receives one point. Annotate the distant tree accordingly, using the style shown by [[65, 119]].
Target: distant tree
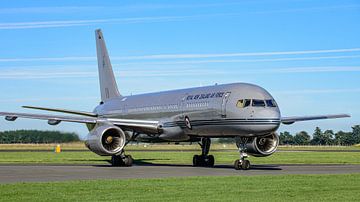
[[328, 137], [356, 134], [344, 138], [35, 136], [302, 138], [285, 138], [317, 137]]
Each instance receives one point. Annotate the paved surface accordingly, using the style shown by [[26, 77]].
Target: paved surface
[[175, 150], [39, 173]]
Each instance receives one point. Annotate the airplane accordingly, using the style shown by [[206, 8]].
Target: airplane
[[243, 111]]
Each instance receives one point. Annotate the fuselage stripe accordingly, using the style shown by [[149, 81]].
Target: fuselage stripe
[[224, 122]]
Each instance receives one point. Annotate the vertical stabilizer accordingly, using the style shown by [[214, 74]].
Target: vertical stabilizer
[[108, 86]]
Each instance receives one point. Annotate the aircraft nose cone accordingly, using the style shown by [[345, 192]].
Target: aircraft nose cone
[[269, 120]]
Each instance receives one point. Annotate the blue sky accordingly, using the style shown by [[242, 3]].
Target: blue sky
[[305, 52]]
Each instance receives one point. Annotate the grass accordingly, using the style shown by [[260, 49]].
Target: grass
[[343, 187], [179, 157], [215, 146]]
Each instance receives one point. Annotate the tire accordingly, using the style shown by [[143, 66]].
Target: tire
[[237, 165], [128, 161], [196, 160], [210, 161], [245, 165], [116, 161]]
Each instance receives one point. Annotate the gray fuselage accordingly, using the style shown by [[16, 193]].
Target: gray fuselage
[[211, 111]]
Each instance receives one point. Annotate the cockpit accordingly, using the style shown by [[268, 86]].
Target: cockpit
[[243, 103]]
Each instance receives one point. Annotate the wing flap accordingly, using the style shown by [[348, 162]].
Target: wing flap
[[291, 120]]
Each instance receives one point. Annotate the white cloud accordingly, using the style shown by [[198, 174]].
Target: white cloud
[[72, 23], [200, 55], [242, 60], [179, 71]]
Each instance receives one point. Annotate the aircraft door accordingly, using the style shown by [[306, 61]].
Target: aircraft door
[[223, 104]]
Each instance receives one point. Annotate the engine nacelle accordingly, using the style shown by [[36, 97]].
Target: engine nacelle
[[263, 146], [106, 140]]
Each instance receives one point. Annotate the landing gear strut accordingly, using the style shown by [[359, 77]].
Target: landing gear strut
[[121, 160], [204, 160], [242, 163]]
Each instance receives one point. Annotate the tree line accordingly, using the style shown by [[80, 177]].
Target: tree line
[[319, 137], [36, 136]]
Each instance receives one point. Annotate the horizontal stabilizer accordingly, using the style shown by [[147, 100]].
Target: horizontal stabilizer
[[291, 120], [63, 111]]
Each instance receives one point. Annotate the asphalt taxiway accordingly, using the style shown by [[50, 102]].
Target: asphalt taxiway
[[43, 173]]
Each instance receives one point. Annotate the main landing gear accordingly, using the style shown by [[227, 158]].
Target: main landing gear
[[242, 163], [204, 160], [122, 160]]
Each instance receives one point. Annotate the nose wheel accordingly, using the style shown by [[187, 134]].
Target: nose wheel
[[204, 160], [242, 163]]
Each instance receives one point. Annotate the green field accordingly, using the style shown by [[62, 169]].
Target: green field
[[343, 187], [182, 147], [179, 157], [236, 188]]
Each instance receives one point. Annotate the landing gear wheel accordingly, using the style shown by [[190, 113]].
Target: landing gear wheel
[[128, 160], [242, 163], [196, 161], [206, 161], [237, 164], [209, 161], [245, 165], [116, 161], [121, 160]]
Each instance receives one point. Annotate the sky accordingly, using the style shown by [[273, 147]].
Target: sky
[[306, 53]]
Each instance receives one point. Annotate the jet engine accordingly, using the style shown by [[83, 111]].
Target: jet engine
[[106, 140], [263, 146]]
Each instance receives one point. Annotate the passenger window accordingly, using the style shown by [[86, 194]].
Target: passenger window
[[270, 103], [258, 103]]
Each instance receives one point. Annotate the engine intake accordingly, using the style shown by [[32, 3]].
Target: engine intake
[[263, 146], [106, 140]]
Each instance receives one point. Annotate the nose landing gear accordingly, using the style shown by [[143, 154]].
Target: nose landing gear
[[204, 160], [242, 163]]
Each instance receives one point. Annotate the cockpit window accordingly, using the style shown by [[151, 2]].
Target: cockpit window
[[258, 103], [240, 104], [243, 103], [270, 103]]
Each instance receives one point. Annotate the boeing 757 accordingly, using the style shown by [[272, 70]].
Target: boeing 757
[[243, 111]]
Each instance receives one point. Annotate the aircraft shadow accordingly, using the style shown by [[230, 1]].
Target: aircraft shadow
[[147, 162]]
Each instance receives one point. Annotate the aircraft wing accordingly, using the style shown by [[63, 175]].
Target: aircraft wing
[[63, 111], [137, 125], [291, 120]]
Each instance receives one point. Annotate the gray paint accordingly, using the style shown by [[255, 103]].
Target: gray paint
[[172, 106]]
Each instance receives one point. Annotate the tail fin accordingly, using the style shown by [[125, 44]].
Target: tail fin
[[108, 86]]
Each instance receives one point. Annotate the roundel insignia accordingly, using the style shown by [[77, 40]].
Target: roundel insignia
[[187, 123]]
